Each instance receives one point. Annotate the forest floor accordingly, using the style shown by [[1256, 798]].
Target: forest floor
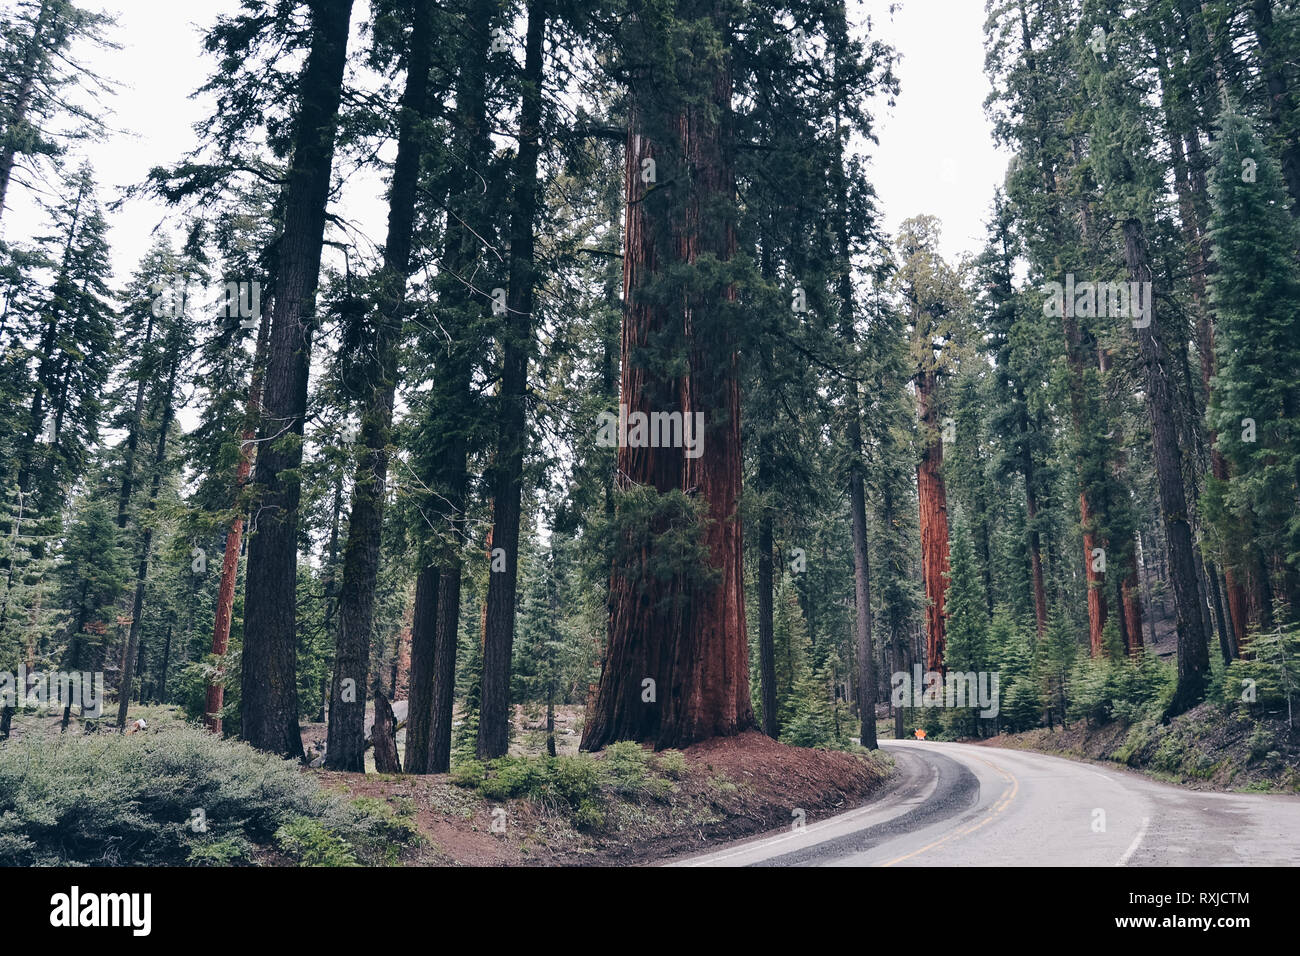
[[1206, 748], [626, 805], [658, 805]]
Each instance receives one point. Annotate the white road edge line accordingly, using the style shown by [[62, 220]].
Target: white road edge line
[[1132, 847], [807, 833]]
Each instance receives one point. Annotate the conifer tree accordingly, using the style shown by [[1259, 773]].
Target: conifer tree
[[269, 693], [1255, 405], [48, 99], [933, 298], [346, 745]]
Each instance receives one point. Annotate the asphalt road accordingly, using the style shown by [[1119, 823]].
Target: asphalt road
[[964, 805]]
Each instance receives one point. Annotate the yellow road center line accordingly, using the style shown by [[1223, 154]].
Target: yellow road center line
[[1004, 801]]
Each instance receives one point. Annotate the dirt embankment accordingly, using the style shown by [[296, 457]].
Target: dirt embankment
[[649, 807], [1204, 749]]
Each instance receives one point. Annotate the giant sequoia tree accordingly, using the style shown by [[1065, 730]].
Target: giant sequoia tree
[[606, 232], [677, 664], [932, 296]]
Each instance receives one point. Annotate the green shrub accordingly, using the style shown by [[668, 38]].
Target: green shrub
[[576, 780], [589, 816], [181, 796], [314, 845], [1021, 707], [672, 764], [660, 787], [514, 777], [383, 826], [1264, 683], [628, 764], [722, 783], [1091, 690], [1143, 688], [469, 774], [1121, 688], [1170, 754], [1138, 739], [813, 720], [226, 852], [582, 784], [1260, 742]]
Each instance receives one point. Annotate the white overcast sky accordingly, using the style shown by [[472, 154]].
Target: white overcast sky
[[160, 63], [935, 154]]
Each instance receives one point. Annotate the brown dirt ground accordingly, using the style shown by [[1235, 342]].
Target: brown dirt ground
[[734, 787]]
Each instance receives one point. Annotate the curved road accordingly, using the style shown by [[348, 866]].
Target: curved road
[[966, 805]]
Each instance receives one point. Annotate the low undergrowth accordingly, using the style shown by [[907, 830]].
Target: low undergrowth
[[176, 798], [584, 787]]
